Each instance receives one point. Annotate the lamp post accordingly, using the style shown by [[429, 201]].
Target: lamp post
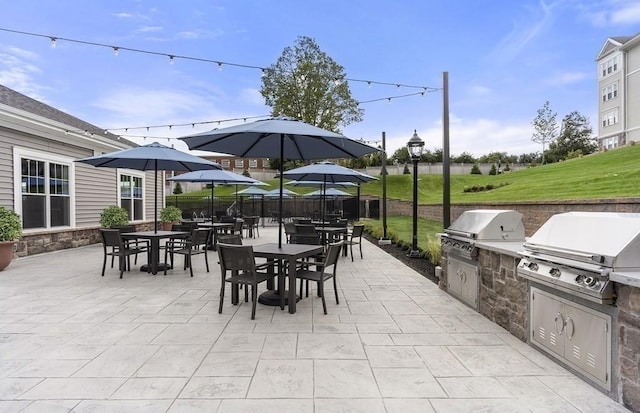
[[415, 147]]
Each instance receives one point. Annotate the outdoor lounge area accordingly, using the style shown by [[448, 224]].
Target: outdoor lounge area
[[71, 340]]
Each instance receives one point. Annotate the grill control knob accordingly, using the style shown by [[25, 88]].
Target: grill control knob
[[533, 266], [591, 282], [555, 272], [580, 279]]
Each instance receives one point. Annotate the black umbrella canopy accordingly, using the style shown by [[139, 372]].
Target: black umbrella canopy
[[327, 172], [279, 137], [263, 138], [151, 157]]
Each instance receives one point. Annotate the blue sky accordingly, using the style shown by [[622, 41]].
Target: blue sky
[[505, 58]]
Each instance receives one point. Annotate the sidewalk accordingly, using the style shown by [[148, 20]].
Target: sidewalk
[[71, 340]]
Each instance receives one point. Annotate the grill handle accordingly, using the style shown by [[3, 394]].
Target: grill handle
[[463, 234], [568, 321], [577, 255], [562, 324]]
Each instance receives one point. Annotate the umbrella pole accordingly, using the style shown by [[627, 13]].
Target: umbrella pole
[[211, 204], [280, 200], [155, 197]]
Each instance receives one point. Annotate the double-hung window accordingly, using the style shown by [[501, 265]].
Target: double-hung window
[[44, 185], [131, 194]]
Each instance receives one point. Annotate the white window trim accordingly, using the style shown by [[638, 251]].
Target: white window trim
[[18, 154], [239, 163], [137, 174]]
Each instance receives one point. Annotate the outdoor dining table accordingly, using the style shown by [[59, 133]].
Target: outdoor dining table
[[291, 253], [154, 237], [216, 227]]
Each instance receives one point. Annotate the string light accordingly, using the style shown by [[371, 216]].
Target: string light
[[171, 59], [115, 51], [219, 63]]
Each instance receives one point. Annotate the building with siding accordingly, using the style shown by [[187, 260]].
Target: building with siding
[[58, 199], [619, 92]]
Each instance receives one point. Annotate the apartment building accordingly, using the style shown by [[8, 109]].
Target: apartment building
[[619, 91]]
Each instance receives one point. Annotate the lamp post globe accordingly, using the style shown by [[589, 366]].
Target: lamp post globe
[[415, 147]]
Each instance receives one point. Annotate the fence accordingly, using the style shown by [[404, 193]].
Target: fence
[[266, 207]]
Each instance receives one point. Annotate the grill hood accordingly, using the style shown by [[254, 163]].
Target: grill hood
[[603, 238], [488, 225]]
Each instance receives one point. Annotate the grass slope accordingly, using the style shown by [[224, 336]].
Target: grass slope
[[612, 174]]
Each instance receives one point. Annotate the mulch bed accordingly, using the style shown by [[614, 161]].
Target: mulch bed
[[421, 265]]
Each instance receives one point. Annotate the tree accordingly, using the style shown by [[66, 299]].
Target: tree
[[307, 84], [475, 170], [493, 170], [494, 157], [178, 189], [401, 155], [545, 126], [464, 157], [406, 170], [575, 139]]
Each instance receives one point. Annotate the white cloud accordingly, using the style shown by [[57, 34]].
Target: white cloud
[[627, 14], [122, 15], [566, 78], [18, 73], [187, 35], [150, 29], [478, 90], [475, 136], [251, 96]]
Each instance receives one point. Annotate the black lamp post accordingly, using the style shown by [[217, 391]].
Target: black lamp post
[[415, 147]]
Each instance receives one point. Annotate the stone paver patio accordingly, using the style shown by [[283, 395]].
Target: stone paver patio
[[71, 340]]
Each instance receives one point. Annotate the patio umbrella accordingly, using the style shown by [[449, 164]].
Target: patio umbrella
[[152, 157], [279, 137], [329, 192], [327, 172], [277, 192], [253, 192], [215, 176]]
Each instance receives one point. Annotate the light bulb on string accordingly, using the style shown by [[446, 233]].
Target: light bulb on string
[[53, 42], [220, 66], [369, 84], [116, 50], [171, 59]]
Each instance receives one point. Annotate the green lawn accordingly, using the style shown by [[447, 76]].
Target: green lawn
[[612, 174]]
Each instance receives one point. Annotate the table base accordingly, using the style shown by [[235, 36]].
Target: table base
[[161, 267], [272, 298]]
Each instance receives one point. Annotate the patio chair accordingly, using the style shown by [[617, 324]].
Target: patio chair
[[114, 246], [355, 238], [251, 226], [128, 243], [289, 230], [321, 274], [196, 244], [238, 267]]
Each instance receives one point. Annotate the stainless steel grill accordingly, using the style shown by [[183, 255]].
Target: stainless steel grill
[[577, 252], [460, 245], [492, 225]]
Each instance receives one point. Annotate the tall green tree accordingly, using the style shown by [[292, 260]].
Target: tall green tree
[[546, 126], [307, 84], [576, 138]]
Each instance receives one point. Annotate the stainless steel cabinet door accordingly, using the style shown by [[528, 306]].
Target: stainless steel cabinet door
[[547, 322], [587, 338], [462, 281]]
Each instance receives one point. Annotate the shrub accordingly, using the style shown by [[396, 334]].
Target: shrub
[[178, 189], [10, 225], [246, 173], [434, 250], [170, 214], [507, 168], [475, 170], [113, 216], [493, 170], [406, 170]]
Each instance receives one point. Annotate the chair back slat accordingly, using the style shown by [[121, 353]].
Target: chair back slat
[[234, 239], [111, 237], [357, 231], [333, 253], [199, 237], [236, 257]]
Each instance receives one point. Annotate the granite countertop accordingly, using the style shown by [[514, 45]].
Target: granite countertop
[[504, 247]]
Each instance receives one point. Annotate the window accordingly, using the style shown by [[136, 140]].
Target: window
[[44, 183], [610, 117], [131, 195], [239, 163], [610, 143], [610, 92], [253, 163], [609, 66], [225, 163]]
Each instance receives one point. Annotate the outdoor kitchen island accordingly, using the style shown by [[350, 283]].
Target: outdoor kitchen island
[[571, 290]]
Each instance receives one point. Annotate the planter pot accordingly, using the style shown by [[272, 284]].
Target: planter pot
[[6, 253], [166, 226]]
